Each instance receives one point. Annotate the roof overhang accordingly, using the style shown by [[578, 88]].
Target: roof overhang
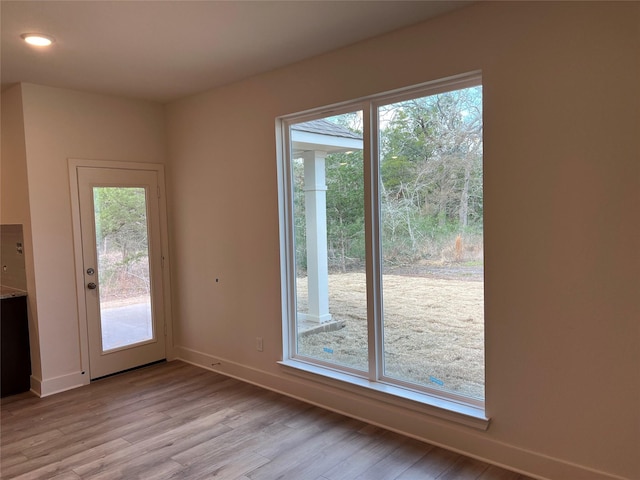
[[306, 141]]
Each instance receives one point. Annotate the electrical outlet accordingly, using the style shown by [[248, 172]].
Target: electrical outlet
[[259, 344]]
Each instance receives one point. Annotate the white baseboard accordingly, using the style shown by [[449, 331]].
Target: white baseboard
[[50, 386], [442, 434], [36, 385]]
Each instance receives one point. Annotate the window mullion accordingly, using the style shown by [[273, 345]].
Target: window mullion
[[372, 232]]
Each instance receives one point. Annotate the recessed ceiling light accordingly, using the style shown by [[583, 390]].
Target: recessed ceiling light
[[38, 39]]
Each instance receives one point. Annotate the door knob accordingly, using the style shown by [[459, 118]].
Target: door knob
[[91, 286]]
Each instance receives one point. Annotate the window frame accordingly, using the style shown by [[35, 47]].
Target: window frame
[[373, 383]]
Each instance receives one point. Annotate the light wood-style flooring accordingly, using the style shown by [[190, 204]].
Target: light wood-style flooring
[[178, 421]]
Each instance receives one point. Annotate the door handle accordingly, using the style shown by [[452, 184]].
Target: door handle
[[91, 286]]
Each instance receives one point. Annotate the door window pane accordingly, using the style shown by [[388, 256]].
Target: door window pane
[[123, 266], [432, 241], [328, 216]]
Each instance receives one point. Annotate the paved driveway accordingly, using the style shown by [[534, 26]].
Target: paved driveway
[[126, 325]]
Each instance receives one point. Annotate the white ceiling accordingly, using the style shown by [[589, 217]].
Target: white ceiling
[[164, 50]]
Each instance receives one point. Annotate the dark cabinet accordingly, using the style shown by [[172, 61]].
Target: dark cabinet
[[15, 360]]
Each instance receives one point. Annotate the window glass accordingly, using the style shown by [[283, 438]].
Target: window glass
[[432, 240], [400, 220], [328, 217]]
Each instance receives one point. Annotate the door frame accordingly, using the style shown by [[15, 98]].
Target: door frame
[[83, 330]]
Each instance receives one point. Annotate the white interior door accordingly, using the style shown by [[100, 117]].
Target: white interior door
[[122, 267]]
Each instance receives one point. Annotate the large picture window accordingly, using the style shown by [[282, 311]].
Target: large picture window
[[382, 240]]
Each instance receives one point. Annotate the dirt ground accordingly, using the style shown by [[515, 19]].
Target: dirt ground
[[433, 326]]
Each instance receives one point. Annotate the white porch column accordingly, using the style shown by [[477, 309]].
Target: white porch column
[[315, 189]]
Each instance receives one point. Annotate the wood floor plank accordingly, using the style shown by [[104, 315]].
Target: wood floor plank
[[398, 461], [178, 421], [285, 464], [7, 461], [431, 465], [57, 451], [156, 447], [109, 429], [66, 476], [33, 441], [247, 438], [64, 467], [85, 406], [464, 469], [497, 473], [328, 457], [383, 444], [232, 465], [162, 469]]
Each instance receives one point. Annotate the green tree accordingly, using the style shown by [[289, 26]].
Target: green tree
[[431, 169], [345, 209], [121, 220]]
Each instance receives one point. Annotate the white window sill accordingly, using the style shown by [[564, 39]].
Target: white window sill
[[440, 407]]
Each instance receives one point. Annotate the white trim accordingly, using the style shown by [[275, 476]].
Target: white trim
[[119, 165], [494, 452], [51, 386], [457, 82], [427, 404], [35, 385], [285, 222], [431, 87], [284, 141], [83, 335], [166, 264]]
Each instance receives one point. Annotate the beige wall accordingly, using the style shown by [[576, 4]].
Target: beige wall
[[14, 197], [561, 198], [58, 125]]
